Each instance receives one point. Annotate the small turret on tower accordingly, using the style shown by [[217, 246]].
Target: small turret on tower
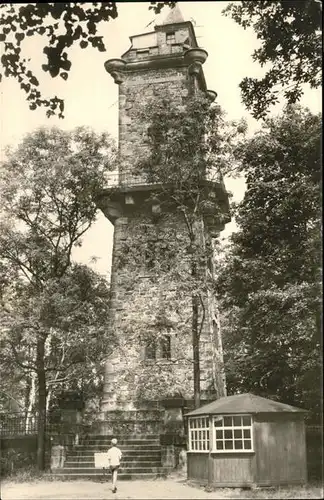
[[173, 36]]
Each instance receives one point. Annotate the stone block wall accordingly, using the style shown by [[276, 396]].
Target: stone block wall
[[147, 303], [135, 91]]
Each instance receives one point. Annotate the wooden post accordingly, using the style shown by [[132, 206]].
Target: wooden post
[[210, 460]]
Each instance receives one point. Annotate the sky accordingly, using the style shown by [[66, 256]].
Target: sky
[[91, 95]]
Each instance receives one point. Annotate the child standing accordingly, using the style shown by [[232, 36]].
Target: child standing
[[114, 456]]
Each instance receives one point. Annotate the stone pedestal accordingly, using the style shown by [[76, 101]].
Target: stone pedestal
[[58, 456]]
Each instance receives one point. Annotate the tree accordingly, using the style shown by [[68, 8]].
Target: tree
[[291, 47], [269, 284], [187, 148], [47, 189], [69, 314], [61, 26]]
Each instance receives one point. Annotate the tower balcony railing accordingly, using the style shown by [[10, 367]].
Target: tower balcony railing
[[130, 178], [126, 178]]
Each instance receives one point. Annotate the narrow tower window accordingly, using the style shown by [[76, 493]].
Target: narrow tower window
[[150, 350], [170, 37], [165, 343]]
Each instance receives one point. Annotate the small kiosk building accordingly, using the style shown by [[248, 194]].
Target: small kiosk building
[[245, 441]]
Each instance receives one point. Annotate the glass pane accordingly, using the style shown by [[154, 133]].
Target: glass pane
[[246, 420], [218, 421], [246, 433], [237, 421], [228, 433], [238, 444], [247, 444], [228, 445], [238, 433], [219, 445], [227, 421], [219, 434]]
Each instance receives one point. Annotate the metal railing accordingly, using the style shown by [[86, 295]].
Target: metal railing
[[126, 179], [130, 178], [18, 424]]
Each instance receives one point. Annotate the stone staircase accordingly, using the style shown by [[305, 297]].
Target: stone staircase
[[141, 458]]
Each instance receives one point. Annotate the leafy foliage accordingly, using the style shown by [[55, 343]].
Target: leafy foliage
[[290, 36], [69, 314], [47, 185], [61, 25], [158, 6], [188, 143], [53, 311], [269, 283]]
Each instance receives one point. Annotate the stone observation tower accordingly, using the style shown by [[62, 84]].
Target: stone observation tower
[[150, 316]]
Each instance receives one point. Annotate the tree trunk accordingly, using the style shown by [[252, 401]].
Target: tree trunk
[[41, 379], [31, 402], [195, 348]]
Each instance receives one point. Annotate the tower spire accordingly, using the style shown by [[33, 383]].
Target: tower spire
[[174, 16]]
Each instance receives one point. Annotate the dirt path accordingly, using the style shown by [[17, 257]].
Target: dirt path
[[171, 488], [56, 490]]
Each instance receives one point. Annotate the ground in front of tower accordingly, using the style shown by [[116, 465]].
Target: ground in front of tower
[[170, 488]]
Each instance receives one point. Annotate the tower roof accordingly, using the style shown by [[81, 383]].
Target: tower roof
[[174, 16], [244, 403]]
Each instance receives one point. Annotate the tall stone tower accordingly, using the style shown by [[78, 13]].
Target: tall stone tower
[[149, 314]]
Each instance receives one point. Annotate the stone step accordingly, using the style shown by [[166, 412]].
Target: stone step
[[99, 476], [121, 442], [153, 456], [106, 472], [124, 448], [125, 463], [120, 437], [91, 450]]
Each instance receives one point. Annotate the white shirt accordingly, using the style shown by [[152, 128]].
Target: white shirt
[[114, 455]]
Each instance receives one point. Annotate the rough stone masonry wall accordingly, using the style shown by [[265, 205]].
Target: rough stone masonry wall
[[140, 296], [135, 92]]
